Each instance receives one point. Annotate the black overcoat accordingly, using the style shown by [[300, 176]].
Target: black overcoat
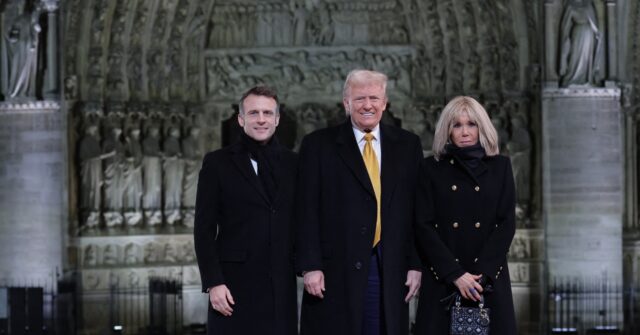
[[336, 222], [466, 222], [245, 241]]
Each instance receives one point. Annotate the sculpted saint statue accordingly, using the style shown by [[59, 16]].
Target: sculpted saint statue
[[152, 172], [193, 153], [91, 178], [173, 169], [113, 177], [132, 175], [580, 44], [21, 54]]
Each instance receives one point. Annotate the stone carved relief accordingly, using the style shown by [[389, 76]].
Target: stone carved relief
[[305, 22], [298, 71]]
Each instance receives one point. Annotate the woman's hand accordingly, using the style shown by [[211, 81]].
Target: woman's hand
[[469, 286]]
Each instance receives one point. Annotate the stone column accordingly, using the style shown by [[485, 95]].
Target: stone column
[[51, 89], [551, 40], [612, 40]]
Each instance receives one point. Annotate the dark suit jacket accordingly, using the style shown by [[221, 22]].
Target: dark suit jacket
[[246, 242], [466, 222], [336, 222]]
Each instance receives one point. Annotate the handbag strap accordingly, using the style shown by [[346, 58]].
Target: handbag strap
[[480, 303]]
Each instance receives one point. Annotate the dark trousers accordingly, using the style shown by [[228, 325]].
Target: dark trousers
[[373, 318]]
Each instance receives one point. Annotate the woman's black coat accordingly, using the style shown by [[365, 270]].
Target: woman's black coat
[[465, 223], [245, 241]]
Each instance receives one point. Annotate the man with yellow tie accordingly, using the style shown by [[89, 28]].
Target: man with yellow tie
[[355, 249]]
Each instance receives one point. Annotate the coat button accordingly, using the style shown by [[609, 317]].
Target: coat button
[[363, 230], [457, 260], [475, 260], [454, 187], [436, 225], [273, 210], [477, 224], [451, 161], [431, 268], [477, 188], [455, 225], [437, 278], [358, 265]]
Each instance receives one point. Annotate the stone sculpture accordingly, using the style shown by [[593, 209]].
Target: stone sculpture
[[193, 153], [152, 172], [580, 44], [132, 178], [21, 54], [173, 169]]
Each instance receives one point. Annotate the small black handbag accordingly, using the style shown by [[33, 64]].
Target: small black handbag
[[469, 320]]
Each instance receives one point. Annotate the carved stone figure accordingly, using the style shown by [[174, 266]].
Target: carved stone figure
[[150, 253], [90, 155], [188, 252], [90, 255], [169, 253], [193, 153], [172, 177], [109, 255], [131, 254], [113, 177], [519, 148], [152, 172], [132, 175], [21, 56], [580, 44], [518, 249]]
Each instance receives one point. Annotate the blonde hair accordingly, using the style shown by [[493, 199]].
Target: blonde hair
[[364, 77], [458, 106]]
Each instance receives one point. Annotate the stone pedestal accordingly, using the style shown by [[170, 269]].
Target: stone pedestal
[[33, 172], [583, 196], [583, 181]]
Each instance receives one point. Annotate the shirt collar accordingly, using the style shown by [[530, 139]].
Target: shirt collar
[[359, 134]]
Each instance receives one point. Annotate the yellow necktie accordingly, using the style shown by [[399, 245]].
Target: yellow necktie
[[371, 162]]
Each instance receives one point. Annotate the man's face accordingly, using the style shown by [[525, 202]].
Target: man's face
[[365, 104], [259, 120]]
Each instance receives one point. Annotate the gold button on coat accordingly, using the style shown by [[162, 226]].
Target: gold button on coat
[[455, 225], [477, 188], [477, 224], [454, 187]]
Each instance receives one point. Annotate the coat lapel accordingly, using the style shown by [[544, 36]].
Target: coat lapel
[[390, 169], [350, 154], [243, 163]]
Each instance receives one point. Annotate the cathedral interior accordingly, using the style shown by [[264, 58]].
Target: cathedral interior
[[107, 108]]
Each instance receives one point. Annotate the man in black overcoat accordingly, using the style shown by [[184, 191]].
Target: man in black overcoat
[[243, 226], [355, 207]]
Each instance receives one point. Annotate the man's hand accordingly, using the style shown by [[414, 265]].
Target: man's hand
[[220, 298], [314, 283], [413, 283], [469, 286]]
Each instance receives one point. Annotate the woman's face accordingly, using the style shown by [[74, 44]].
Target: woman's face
[[464, 131]]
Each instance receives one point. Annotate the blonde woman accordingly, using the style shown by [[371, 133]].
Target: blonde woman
[[466, 220]]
